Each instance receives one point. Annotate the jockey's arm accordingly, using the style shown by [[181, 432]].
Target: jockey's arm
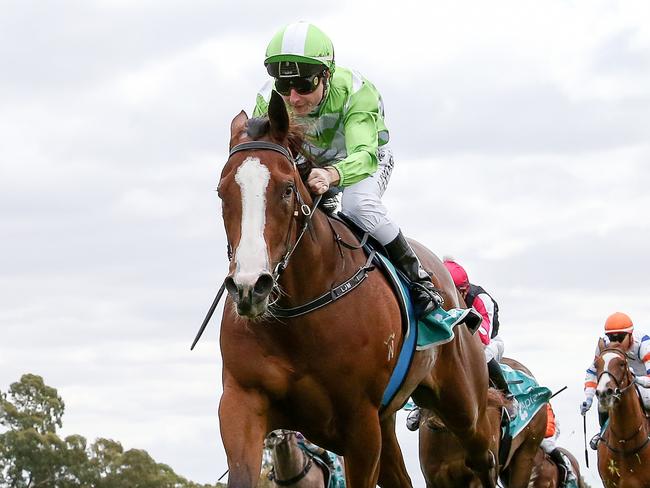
[[485, 329], [644, 355], [361, 144], [591, 377]]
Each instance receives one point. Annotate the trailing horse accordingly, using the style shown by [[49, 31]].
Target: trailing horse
[[442, 456], [293, 465], [547, 474], [323, 372], [623, 451]]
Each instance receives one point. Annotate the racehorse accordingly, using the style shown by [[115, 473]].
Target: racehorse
[[442, 456], [293, 467], [324, 371], [623, 451], [547, 474]]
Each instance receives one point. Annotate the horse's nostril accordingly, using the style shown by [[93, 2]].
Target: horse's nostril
[[232, 288], [610, 391], [263, 285]]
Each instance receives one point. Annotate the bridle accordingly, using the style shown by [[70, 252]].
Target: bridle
[[308, 462], [300, 203], [300, 206], [618, 395]]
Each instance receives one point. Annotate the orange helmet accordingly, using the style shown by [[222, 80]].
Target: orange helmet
[[618, 323]]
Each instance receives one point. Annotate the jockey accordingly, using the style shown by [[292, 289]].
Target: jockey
[[619, 328], [476, 297], [347, 140], [548, 444]]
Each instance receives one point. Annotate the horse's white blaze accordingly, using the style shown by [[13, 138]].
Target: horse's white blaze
[[251, 257], [604, 379]]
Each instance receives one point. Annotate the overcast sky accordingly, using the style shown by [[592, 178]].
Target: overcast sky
[[522, 146]]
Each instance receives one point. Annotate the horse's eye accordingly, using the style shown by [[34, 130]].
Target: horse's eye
[[288, 191]]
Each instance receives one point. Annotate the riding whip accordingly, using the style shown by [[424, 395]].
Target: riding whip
[[558, 392], [584, 430], [209, 314]]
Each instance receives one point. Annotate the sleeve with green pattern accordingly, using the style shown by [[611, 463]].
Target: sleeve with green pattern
[[361, 141]]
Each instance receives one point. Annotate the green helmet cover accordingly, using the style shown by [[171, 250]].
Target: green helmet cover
[[300, 43]]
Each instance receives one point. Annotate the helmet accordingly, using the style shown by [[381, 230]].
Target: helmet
[[458, 274], [618, 323], [299, 49]]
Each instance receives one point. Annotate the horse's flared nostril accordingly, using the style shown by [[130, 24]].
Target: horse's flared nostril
[[263, 285]]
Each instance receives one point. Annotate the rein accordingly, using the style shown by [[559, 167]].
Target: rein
[[618, 396]]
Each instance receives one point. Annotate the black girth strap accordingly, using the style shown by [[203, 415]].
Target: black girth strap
[[328, 297]]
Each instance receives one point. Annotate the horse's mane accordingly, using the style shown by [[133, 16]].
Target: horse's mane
[[259, 127]]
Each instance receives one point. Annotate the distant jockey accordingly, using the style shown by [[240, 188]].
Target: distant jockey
[[475, 296], [619, 328], [549, 444]]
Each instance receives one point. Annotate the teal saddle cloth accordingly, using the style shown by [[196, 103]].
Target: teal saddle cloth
[[529, 394], [434, 329]]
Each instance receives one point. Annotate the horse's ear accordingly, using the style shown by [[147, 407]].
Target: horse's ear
[[238, 124], [278, 117]]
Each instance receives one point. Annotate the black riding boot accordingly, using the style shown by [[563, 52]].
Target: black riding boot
[[498, 380], [602, 418], [424, 295]]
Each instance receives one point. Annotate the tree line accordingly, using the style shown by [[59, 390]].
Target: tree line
[[33, 455]]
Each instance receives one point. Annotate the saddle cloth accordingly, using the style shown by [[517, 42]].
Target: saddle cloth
[[529, 394]]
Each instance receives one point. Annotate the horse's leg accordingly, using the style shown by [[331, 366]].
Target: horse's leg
[[461, 378], [243, 424], [520, 468], [362, 449], [392, 470]]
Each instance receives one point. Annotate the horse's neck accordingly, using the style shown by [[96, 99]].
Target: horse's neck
[[316, 263], [628, 417]]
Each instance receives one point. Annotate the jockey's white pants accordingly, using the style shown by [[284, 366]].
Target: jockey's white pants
[[362, 201], [494, 350], [645, 396]]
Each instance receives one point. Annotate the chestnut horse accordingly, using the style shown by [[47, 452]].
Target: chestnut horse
[[546, 474], [442, 456], [293, 467], [323, 373], [623, 452]]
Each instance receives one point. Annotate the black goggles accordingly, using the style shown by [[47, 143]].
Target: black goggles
[[303, 86], [617, 336]]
